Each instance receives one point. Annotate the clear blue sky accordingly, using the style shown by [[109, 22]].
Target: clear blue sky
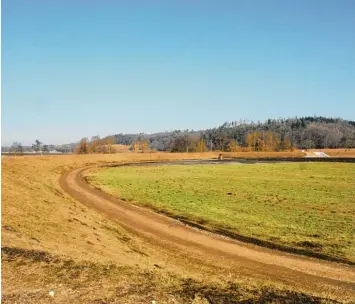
[[79, 68]]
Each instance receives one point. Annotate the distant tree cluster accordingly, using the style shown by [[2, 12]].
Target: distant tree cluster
[[16, 148], [140, 145], [96, 145], [271, 135], [38, 147], [285, 134]]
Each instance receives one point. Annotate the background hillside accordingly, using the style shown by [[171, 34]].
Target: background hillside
[[243, 135], [302, 133]]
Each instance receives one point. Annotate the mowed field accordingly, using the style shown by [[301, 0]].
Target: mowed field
[[308, 206], [52, 243]]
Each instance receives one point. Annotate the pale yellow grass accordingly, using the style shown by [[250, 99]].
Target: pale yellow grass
[[119, 148], [35, 207], [37, 217]]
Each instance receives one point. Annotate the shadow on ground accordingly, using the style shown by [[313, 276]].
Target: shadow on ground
[[87, 282]]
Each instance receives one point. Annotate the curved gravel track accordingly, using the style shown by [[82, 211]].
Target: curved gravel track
[[235, 256]]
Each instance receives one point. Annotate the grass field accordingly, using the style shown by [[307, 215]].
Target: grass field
[[50, 241], [300, 205]]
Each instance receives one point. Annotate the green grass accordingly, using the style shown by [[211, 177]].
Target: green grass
[[299, 205]]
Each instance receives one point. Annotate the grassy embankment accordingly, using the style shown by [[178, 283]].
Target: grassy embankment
[[300, 205], [50, 241]]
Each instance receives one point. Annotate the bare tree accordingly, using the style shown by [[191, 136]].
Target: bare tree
[[82, 147], [309, 144], [350, 143], [37, 146], [94, 144], [16, 148], [110, 141], [186, 132]]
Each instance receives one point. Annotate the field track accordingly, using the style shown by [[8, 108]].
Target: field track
[[235, 256]]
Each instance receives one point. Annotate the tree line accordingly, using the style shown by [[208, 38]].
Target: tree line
[[96, 145], [243, 135], [285, 134], [38, 147]]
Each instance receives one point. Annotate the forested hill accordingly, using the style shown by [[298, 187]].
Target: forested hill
[[272, 134]]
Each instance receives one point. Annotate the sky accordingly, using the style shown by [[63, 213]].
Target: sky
[[75, 68]]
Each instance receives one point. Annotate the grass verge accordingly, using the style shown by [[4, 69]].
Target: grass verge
[[305, 206]]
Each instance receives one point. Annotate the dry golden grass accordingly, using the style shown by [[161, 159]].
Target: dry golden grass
[[116, 148], [121, 148], [88, 282], [337, 152], [50, 241], [35, 207]]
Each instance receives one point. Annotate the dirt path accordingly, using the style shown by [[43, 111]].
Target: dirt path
[[246, 259]]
